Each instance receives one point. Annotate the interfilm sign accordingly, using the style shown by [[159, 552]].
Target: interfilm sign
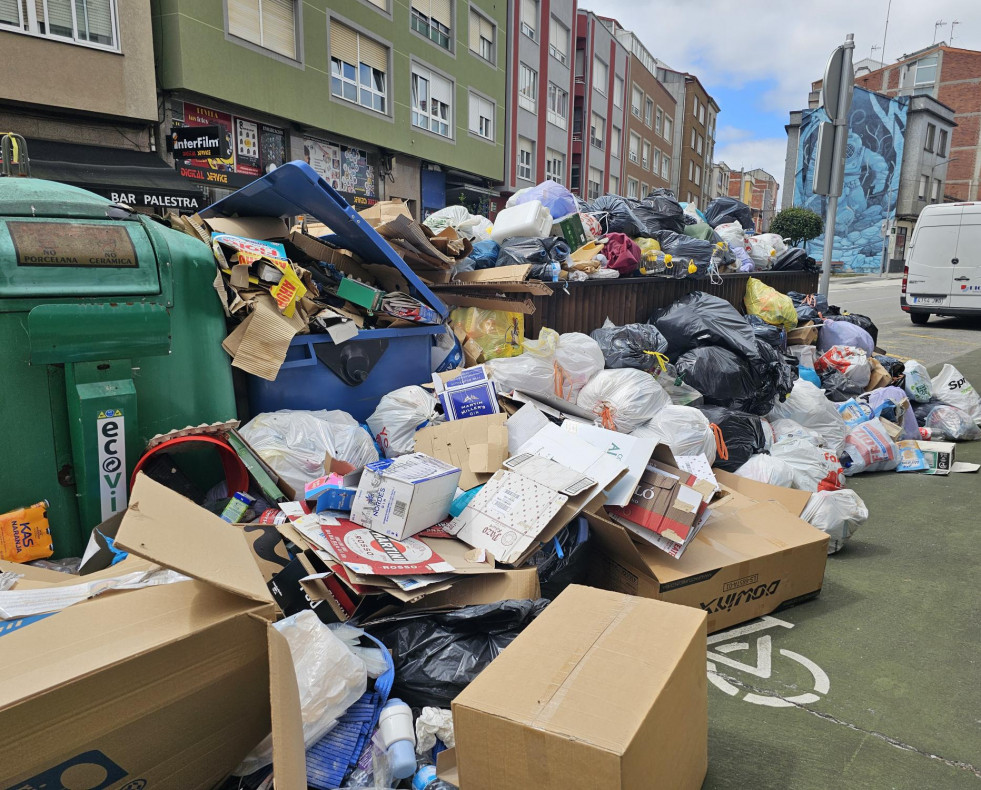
[[199, 142]]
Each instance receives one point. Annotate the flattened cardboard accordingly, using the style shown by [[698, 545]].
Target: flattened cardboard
[[478, 446], [524, 306], [791, 499], [263, 228], [602, 690], [520, 584], [259, 344], [500, 274]]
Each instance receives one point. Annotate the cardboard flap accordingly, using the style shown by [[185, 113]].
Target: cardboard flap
[[289, 757], [162, 526], [792, 500]]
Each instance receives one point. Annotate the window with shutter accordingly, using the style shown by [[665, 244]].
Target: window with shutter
[[558, 106], [636, 100], [558, 41], [358, 68], [600, 75], [617, 91], [270, 24], [434, 20], [432, 101], [634, 153], [88, 22], [482, 36], [481, 121], [614, 185], [645, 155], [615, 141], [554, 165], [529, 18], [10, 13], [596, 128], [526, 154], [595, 184]]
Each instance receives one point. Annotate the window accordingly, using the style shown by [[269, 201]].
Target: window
[[614, 187], [615, 141], [554, 165], [634, 153], [432, 101], [558, 106], [269, 23], [594, 187], [649, 113], [668, 127], [574, 179], [89, 22], [926, 71], [693, 138], [698, 174], [935, 192], [931, 135], [694, 106], [691, 169], [483, 36], [636, 100], [666, 167], [659, 121], [700, 141], [382, 4], [942, 145], [526, 155], [481, 117], [656, 167], [434, 20], [600, 75], [529, 18], [645, 156], [527, 87], [617, 91], [924, 185], [632, 187], [558, 41], [645, 190], [358, 68], [701, 114], [596, 126]]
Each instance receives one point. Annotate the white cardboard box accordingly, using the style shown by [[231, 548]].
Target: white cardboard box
[[401, 496]]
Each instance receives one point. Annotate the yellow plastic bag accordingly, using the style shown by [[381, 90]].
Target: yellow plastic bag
[[769, 304], [25, 534], [497, 332]]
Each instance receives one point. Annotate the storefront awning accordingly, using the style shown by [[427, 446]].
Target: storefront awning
[[138, 178]]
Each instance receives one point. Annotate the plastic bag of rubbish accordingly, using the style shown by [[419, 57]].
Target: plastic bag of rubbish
[[399, 415], [761, 252], [902, 409], [843, 333], [838, 387], [868, 448], [623, 399], [862, 321], [839, 513], [743, 262], [554, 196], [577, 358], [700, 319], [526, 372], [767, 469], [727, 209], [732, 233], [685, 430], [773, 336], [950, 424], [918, 386], [808, 406], [738, 436], [616, 215], [437, 655], [552, 365], [854, 412], [723, 378], [951, 387], [660, 212], [294, 443], [499, 333], [330, 680], [485, 254], [681, 394], [784, 428], [630, 345], [558, 567], [852, 362], [449, 217], [769, 304], [815, 469]]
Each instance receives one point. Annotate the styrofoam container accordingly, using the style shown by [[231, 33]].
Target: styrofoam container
[[526, 219]]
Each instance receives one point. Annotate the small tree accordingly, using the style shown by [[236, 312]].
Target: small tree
[[798, 224]]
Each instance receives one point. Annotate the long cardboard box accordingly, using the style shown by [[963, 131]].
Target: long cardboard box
[[602, 690], [753, 556]]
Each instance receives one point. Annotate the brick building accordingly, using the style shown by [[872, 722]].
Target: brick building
[[757, 189]]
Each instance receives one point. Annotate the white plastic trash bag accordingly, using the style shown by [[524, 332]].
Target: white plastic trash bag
[[784, 428], [732, 233], [330, 678], [918, 386], [398, 416], [295, 443], [950, 387], [767, 469], [850, 361], [552, 365], [869, 449], [525, 372], [839, 513], [578, 358], [624, 398], [685, 430], [807, 405], [806, 355], [814, 468]]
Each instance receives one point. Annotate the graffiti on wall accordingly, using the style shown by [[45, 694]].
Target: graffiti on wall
[[876, 129]]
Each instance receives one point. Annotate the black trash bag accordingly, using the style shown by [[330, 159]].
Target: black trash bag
[[659, 212], [742, 436], [682, 247], [727, 209], [627, 346], [662, 192], [522, 250], [700, 319], [794, 259], [838, 387], [818, 302], [723, 378], [806, 313], [863, 321], [778, 371], [616, 215], [556, 572], [894, 367], [690, 220], [437, 655], [775, 336]]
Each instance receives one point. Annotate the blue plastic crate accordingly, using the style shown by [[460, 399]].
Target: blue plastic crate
[[352, 377]]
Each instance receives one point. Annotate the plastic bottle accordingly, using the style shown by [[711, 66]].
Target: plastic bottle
[[654, 262], [398, 736], [426, 779]]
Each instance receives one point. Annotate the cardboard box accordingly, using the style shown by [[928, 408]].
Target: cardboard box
[[466, 393], [167, 686], [570, 228], [478, 446], [602, 690], [752, 557], [402, 496]]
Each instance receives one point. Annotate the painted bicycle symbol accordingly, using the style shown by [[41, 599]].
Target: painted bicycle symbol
[[719, 652]]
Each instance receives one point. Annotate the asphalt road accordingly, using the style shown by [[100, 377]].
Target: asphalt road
[[939, 340]]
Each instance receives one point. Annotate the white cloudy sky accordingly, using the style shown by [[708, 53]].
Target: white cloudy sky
[[759, 57]]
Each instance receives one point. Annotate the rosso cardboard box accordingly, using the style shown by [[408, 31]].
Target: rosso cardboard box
[[166, 686], [753, 556], [602, 690]]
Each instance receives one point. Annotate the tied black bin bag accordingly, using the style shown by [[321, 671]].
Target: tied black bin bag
[[437, 655], [629, 346], [727, 209], [738, 436], [660, 212], [774, 336], [616, 215], [723, 378], [700, 319]]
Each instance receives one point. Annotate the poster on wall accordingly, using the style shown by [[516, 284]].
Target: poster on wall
[[247, 147], [346, 169], [272, 147], [874, 155]]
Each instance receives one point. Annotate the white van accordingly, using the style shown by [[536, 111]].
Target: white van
[[943, 270]]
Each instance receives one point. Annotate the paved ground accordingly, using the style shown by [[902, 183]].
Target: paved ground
[[895, 631]]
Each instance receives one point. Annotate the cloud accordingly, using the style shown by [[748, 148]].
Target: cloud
[[768, 153], [730, 134]]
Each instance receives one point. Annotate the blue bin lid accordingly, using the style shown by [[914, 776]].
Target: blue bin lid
[[295, 188]]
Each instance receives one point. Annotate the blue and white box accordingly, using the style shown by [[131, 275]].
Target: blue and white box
[[469, 394]]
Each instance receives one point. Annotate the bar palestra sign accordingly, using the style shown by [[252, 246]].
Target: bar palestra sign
[[199, 142]]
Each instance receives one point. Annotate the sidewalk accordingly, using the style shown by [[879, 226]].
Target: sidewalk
[[895, 630], [846, 279]]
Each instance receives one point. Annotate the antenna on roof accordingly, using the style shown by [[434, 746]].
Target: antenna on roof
[[936, 27], [885, 31], [953, 24], [872, 51]]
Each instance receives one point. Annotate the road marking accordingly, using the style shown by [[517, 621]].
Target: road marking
[[936, 337]]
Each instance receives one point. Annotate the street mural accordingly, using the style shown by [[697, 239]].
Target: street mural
[[876, 128]]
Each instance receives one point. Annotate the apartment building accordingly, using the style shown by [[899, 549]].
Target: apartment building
[[384, 99], [719, 186], [78, 84], [693, 143], [540, 58], [757, 189], [649, 126], [599, 103]]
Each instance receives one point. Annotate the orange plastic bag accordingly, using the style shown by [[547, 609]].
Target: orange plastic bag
[[25, 534]]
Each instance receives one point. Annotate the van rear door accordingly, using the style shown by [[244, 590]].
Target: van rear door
[[966, 273], [934, 246]]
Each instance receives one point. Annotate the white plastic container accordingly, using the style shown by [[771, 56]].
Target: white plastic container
[[526, 219]]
